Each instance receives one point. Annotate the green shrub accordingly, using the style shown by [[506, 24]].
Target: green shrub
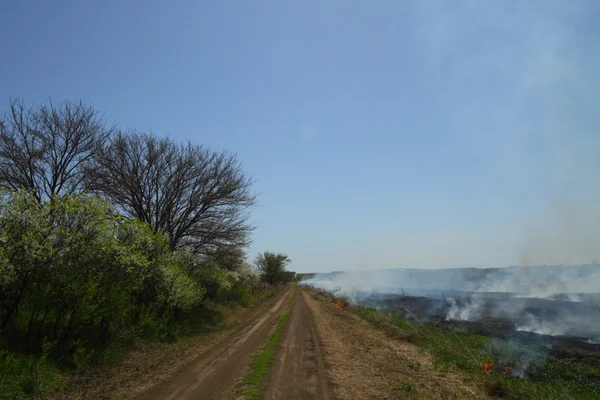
[[75, 272], [25, 376]]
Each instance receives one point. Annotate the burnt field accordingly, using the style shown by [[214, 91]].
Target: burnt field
[[552, 327], [534, 332]]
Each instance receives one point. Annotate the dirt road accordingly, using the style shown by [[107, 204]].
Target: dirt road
[[299, 371], [213, 374]]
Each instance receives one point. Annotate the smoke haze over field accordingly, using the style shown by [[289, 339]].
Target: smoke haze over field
[[539, 282], [546, 300], [517, 158]]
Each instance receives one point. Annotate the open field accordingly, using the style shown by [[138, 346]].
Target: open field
[[493, 348]]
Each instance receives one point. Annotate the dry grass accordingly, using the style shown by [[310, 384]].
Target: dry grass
[[364, 363]]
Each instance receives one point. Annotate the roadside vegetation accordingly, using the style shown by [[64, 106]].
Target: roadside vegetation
[[272, 267], [262, 359], [503, 368], [111, 238]]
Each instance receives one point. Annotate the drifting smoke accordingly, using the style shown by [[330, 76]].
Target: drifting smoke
[[528, 318], [546, 300], [524, 92], [542, 327], [471, 311], [516, 354]]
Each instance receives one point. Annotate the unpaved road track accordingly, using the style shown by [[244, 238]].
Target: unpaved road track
[[299, 371], [213, 374]]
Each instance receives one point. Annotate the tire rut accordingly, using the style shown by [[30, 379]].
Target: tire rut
[[299, 371], [213, 373]]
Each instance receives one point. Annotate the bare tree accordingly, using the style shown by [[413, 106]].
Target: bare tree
[[199, 197], [45, 149]]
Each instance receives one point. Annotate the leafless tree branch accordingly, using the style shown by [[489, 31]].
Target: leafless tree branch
[[199, 197], [45, 149]]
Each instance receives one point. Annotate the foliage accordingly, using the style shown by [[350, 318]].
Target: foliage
[[272, 267], [212, 277], [151, 257], [232, 258], [25, 375], [76, 273]]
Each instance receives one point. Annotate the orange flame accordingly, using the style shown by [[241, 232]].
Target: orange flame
[[487, 367], [340, 306]]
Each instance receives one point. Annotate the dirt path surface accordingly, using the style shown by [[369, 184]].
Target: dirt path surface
[[299, 370], [213, 374], [364, 363]]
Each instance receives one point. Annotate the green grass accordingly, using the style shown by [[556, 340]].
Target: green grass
[[407, 387], [27, 377], [548, 377], [262, 360]]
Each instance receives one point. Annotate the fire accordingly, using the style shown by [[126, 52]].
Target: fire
[[340, 306], [487, 367]]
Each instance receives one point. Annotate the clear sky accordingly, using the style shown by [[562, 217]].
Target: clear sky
[[381, 133]]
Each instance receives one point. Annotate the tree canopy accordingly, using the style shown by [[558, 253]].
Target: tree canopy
[[272, 266], [198, 197], [107, 236]]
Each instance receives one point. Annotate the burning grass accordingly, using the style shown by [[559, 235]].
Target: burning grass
[[509, 369]]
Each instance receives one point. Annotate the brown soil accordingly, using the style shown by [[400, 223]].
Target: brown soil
[[325, 353], [299, 370], [364, 363], [213, 374], [152, 363]]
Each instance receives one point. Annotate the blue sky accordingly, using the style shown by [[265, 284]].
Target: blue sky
[[381, 134]]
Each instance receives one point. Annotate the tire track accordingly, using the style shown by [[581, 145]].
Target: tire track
[[216, 371], [299, 370]]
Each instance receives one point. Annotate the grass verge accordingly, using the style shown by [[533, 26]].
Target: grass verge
[[120, 368], [26, 377], [507, 361], [262, 360]]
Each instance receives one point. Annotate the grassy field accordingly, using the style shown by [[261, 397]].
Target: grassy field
[[498, 365]]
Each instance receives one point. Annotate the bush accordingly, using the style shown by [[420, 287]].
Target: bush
[[27, 375], [76, 273]]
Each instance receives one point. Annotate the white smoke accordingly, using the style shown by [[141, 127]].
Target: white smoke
[[470, 311], [542, 327]]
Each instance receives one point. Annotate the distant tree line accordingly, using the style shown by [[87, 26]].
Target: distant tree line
[[108, 234]]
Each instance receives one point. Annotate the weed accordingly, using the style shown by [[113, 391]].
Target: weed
[[407, 387], [412, 365], [263, 359], [25, 376]]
